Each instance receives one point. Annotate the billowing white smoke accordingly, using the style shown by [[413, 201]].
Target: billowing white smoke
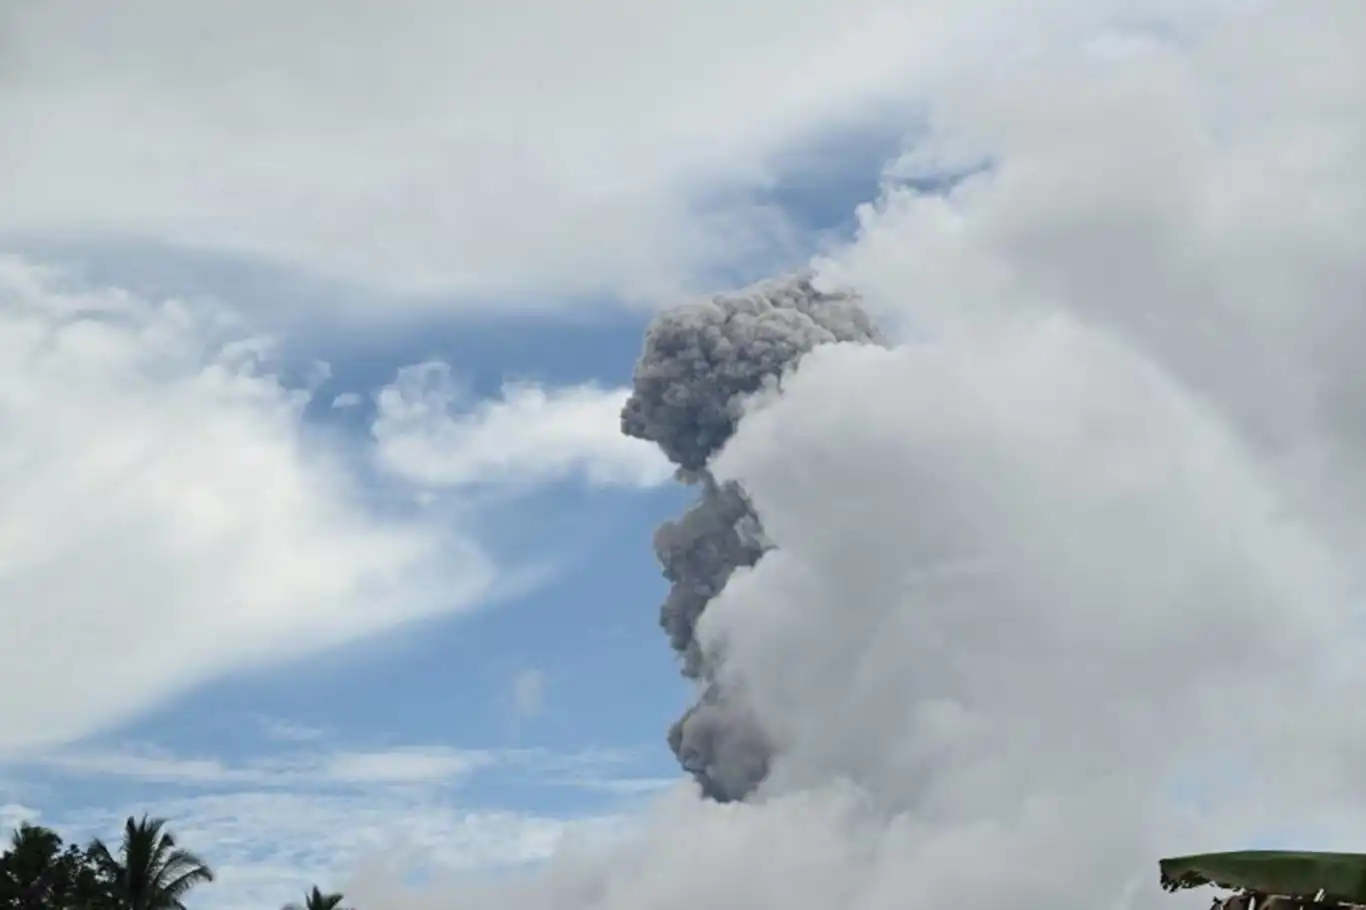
[[1067, 578]]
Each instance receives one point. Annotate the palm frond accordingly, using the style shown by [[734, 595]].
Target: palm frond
[[182, 883]]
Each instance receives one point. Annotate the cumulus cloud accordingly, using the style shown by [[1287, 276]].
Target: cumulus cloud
[[463, 157], [1068, 577], [165, 517], [429, 432]]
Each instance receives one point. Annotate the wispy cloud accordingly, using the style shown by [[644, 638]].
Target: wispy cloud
[[609, 770], [412, 765], [623, 786], [428, 431], [613, 771], [404, 765]]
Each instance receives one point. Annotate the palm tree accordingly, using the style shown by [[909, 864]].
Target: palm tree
[[316, 900], [34, 840], [31, 868], [151, 872]]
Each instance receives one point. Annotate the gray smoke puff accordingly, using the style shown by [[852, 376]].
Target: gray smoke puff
[[722, 744], [699, 358], [698, 552], [699, 363]]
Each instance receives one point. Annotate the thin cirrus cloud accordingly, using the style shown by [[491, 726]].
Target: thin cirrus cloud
[[405, 765], [427, 432], [319, 766]]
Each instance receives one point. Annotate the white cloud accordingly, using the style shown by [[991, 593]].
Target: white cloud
[[625, 785], [426, 432], [329, 767], [1090, 534], [1201, 201], [165, 517], [473, 152], [346, 400], [411, 765], [403, 765]]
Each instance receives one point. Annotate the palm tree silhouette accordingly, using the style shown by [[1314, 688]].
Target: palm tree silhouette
[[32, 867], [150, 871], [317, 900]]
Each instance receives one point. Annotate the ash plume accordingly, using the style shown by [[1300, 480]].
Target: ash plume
[[699, 362]]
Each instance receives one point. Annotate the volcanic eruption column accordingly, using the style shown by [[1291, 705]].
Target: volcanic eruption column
[[698, 364]]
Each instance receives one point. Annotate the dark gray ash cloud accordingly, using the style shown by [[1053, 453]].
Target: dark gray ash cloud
[[699, 363]]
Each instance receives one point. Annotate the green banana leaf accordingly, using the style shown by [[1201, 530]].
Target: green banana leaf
[[1341, 876]]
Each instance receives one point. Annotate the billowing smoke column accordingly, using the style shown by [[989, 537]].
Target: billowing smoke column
[[699, 363]]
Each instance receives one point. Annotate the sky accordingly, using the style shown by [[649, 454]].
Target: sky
[[319, 536]]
